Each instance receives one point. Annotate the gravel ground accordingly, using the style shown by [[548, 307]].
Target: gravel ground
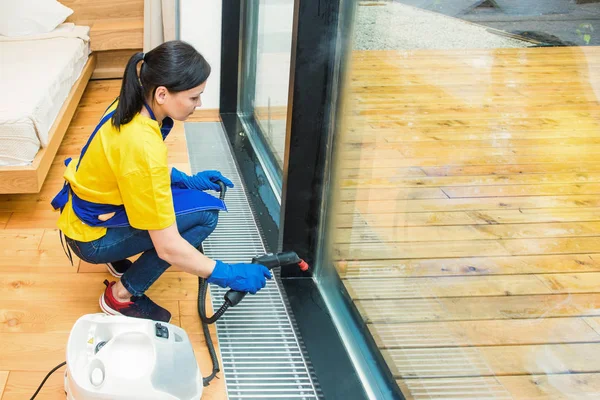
[[552, 22], [395, 26]]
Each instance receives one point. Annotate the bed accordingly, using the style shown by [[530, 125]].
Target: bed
[[42, 79]]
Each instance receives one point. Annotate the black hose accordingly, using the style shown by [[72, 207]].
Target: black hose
[[46, 378], [202, 288], [216, 316]]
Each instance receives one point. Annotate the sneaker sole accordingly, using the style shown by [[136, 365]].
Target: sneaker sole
[[113, 271], [105, 307], [109, 311]]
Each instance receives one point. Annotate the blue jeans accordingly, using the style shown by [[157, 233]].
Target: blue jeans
[[121, 243]]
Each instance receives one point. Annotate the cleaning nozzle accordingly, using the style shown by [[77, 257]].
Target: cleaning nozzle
[[281, 259], [233, 297]]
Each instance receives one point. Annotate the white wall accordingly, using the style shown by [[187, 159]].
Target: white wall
[[200, 25]]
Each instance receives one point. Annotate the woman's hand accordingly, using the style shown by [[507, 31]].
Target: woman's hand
[[241, 277], [205, 180]]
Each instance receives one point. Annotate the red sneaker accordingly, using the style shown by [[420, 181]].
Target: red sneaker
[[138, 307]]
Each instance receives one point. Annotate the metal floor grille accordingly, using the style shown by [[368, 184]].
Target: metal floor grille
[[261, 354]]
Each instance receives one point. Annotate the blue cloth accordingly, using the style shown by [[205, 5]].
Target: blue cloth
[[205, 180], [241, 277], [121, 243]]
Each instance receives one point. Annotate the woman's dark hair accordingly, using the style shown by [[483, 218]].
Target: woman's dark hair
[[175, 65]]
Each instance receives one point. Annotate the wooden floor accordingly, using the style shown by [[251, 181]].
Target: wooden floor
[[469, 218], [42, 295]]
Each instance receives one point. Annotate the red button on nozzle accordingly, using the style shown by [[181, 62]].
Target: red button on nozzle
[[303, 265]]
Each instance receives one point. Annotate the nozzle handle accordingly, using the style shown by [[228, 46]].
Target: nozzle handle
[[233, 297], [280, 259]]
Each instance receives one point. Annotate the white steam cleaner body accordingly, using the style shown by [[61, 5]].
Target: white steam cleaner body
[[123, 358]]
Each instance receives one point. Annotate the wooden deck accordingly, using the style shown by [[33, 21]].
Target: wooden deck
[[42, 295], [468, 223]]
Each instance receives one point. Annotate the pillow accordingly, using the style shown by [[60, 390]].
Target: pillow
[[31, 17]]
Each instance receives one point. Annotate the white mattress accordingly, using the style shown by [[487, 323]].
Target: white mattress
[[36, 76]]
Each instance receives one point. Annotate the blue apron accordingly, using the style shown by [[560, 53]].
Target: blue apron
[[185, 201]]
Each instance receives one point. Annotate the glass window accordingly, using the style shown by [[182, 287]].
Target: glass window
[[267, 43], [464, 195]]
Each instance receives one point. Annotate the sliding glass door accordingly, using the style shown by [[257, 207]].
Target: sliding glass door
[[438, 170], [462, 196]]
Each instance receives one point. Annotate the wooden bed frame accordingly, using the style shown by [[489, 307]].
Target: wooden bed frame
[[116, 32], [30, 178]]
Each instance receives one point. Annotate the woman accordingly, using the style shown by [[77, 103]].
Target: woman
[[120, 198]]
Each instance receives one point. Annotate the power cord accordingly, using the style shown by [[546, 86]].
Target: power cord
[[46, 378]]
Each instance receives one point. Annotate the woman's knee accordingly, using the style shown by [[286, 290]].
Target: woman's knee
[[207, 219], [200, 231], [212, 220]]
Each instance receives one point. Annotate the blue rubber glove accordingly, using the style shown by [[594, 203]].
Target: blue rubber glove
[[205, 180], [241, 277]]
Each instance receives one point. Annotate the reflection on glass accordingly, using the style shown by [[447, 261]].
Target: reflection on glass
[[268, 43], [464, 217], [273, 72]]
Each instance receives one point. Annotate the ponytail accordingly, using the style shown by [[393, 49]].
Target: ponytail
[[175, 65], [131, 98]]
